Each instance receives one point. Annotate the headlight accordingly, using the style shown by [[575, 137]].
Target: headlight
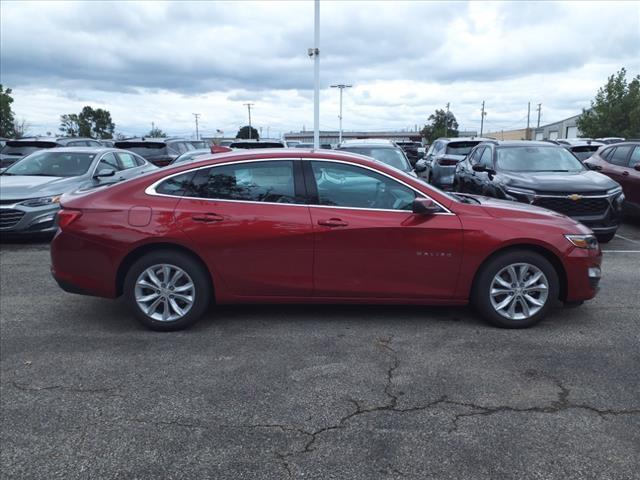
[[588, 242], [41, 202], [522, 194]]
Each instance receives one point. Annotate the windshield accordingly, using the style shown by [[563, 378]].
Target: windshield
[[584, 152], [390, 156], [460, 148], [52, 164], [537, 159]]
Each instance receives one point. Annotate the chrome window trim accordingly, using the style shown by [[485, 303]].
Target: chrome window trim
[[151, 189]]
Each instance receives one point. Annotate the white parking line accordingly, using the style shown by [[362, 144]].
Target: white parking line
[[628, 239]]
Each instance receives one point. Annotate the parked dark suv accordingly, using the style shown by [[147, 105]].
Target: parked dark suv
[[621, 162], [411, 150], [15, 150], [159, 151], [546, 175], [439, 164]]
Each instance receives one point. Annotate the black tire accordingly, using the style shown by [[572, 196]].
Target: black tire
[[605, 237], [481, 289], [203, 291]]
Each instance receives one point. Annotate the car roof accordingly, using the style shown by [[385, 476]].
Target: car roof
[[153, 140], [523, 143], [96, 150], [464, 139], [367, 141]]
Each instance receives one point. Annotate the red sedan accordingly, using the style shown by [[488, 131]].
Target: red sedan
[[315, 227]]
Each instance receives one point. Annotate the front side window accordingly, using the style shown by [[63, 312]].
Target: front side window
[[475, 155], [620, 155], [635, 157], [48, 163], [344, 185], [486, 160], [270, 181], [108, 162]]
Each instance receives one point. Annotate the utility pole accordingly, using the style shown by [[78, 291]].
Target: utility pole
[[539, 111], [197, 115], [446, 122], [249, 105], [526, 134], [268, 132], [341, 86], [315, 53], [482, 119]]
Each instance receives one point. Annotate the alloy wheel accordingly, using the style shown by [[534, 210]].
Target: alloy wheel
[[519, 291], [165, 292]]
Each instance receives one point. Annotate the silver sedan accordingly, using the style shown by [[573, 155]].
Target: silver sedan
[[30, 189]]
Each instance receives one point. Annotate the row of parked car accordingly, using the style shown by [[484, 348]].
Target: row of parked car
[[590, 181]]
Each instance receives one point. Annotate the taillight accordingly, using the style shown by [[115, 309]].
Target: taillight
[[67, 217], [447, 162]]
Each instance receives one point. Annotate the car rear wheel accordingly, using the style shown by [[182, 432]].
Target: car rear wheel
[[516, 289], [167, 290]]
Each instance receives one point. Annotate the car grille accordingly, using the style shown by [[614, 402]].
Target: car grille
[[574, 208], [9, 218]]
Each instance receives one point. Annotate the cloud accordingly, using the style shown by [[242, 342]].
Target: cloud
[[404, 58]]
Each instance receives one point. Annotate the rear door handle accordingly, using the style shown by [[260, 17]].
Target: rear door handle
[[625, 173], [207, 218], [333, 222]]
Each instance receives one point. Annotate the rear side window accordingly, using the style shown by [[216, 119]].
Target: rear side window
[[270, 182], [178, 185], [620, 155], [127, 160]]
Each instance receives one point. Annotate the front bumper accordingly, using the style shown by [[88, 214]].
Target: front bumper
[[583, 270], [20, 220]]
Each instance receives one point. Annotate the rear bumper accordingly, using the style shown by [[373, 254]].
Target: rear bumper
[[443, 176]]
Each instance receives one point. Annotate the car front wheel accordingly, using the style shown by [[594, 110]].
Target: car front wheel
[[516, 289], [167, 290]]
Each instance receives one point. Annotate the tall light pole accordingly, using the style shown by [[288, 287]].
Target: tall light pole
[[197, 115], [315, 53], [446, 122], [341, 86], [483, 114], [249, 105], [539, 112]]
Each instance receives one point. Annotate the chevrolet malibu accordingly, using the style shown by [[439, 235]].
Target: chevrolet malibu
[[285, 226]]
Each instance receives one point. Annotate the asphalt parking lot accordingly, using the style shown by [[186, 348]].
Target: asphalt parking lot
[[332, 392]]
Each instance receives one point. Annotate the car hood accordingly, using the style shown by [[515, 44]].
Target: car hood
[[575, 182], [21, 187]]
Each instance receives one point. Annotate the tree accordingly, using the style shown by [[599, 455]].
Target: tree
[[243, 133], [6, 114], [615, 111], [440, 124], [69, 124], [95, 123], [156, 132], [21, 128]]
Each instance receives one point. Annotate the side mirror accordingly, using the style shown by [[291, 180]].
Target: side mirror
[[424, 206], [105, 172], [481, 168], [421, 166], [593, 166]]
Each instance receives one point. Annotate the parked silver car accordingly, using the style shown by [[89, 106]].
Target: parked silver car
[[30, 189], [439, 165]]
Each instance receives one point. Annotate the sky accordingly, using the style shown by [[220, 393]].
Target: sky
[[160, 62]]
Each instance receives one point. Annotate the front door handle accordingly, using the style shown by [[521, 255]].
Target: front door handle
[[207, 218], [333, 222], [625, 173]]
